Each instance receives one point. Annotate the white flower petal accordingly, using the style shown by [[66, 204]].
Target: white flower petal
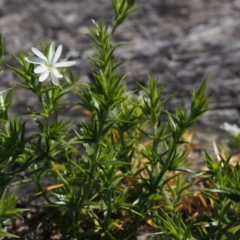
[[57, 54], [43, 76], [54, 79], [39, 54], [34, 60], [48, 65], [40, 69], [51, 52], [57, 73], [64, 64]]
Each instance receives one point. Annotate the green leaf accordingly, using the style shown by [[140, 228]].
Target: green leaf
[[9, 98], [21, 73], [8, 235], [1, 46]]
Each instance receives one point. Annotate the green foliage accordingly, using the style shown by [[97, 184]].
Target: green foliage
[[2, 58], [225, 222], [122, 9], [10, 146], [8, 211], [123, 165]]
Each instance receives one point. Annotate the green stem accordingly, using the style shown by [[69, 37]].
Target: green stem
[[123, 145], [170, 158], [56, 172]]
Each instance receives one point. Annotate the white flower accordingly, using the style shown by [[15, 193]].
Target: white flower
[[48, 64], [233, 129]]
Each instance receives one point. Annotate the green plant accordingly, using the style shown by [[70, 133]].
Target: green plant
[[8, 211], [9, 148], [121, 167]]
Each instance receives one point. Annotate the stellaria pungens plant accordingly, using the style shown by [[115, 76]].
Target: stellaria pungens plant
[[121, 167]]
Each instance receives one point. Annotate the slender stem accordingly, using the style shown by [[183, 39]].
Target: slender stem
[[170, 158], [123, 145]]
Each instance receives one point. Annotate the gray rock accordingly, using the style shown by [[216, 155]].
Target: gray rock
[[183, 41]]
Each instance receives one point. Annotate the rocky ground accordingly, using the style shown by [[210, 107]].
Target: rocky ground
[[184, 41]]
